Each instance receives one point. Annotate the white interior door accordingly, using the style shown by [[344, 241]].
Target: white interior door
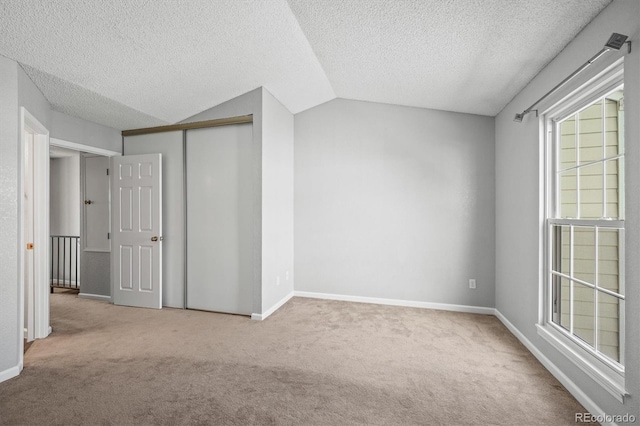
[[136, 255], [220, 202], [170, 145]]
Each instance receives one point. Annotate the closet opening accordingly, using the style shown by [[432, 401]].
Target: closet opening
[[210, 199]]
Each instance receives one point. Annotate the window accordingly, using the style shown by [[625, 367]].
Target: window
[[584, 244]]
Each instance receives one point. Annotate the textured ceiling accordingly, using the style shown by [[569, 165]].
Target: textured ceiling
[[138, 63], [469, 56], [167, 59]]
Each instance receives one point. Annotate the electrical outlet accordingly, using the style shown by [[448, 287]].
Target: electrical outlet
[[472, 283]]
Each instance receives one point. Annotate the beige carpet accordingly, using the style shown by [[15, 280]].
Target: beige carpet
[[312, 362]]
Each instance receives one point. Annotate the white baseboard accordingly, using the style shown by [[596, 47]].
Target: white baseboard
[[278, 305], [397, 302], [10, 373], [95, 297], [573, 389]]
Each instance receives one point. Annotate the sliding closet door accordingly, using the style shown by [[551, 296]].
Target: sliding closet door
[[220, 201]]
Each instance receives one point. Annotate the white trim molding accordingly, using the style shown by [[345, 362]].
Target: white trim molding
[[10, 373], [271, 310], [589, 367], [398, 302], [38, 300], [83, 148], [100, 297], [573, 389]]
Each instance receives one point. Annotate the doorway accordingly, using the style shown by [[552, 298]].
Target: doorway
[[34, 255], [79, 222], [91, 204]]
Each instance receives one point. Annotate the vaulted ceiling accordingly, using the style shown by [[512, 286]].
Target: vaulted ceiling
[[138, 63]]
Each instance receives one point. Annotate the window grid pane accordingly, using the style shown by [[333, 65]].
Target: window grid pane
[[608, 320], [588, 254], [583, 318], [587, 177]]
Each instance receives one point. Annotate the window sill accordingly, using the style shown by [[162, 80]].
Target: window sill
[[610, 380]]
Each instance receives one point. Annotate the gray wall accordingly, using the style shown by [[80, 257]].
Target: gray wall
[[30, 97], [73, 129], [95, 274], [394, 202], [277, 201], [518, 202], [64, 195], [9, 218]]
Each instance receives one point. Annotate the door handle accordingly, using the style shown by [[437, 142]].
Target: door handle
[[154, 238], [88, 202]]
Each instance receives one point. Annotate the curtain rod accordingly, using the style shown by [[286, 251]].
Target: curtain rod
[[615, 42]]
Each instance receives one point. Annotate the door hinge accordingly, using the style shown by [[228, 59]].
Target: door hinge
[[107, 172], [108, 235]]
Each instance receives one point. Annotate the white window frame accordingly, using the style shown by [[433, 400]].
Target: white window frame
[[608, 373]]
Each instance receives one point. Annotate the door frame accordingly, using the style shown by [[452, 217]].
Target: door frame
[[40, 294]]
